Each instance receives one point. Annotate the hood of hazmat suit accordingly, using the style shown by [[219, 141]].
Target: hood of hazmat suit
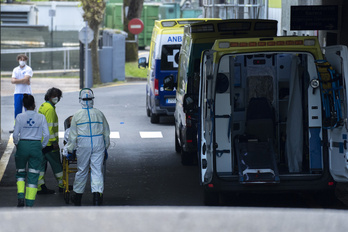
[[86, 98]]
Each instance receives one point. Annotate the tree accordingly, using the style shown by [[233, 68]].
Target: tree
[[94, 14], [134, 9]]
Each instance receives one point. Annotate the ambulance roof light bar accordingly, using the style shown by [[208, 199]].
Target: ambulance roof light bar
[[189, 21], [260, 26], [295, 42], [168, 23], [202, 28], [234, 26]]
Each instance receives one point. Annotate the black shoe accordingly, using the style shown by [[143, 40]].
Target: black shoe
[[97, 198], [11, 131], [20, 202], [76, 198], [45, 190]]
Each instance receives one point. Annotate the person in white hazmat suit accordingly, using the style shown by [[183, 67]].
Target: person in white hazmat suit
[[90, 136]]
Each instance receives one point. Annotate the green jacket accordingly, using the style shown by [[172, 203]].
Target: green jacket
[[49, 111]]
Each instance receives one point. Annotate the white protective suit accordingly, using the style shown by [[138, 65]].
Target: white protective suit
[[90, 136]]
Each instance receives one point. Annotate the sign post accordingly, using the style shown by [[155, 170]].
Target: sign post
[[86, 36], [135, 26]]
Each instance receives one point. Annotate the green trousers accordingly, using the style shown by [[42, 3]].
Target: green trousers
[[28, 153], [53, 157]]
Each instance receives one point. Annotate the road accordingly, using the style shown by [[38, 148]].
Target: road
[[143, 168]]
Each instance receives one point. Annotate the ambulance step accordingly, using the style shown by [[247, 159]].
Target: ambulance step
[[256, 162]]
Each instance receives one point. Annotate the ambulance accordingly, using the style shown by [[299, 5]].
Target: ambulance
[[273, 116], [198, 37], [163, 58]]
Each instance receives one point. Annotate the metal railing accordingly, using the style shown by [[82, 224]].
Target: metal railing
[[29, 51], [236, 9]]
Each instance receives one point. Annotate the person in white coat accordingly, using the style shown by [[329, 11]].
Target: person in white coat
[[90, 136], [30, 136]]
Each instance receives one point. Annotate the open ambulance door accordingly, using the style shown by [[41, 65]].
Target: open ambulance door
[[206, 119], [337, 56]]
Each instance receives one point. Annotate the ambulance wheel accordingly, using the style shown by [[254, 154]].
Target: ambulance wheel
[[327, 199], [211, 198], [67, 197], [154, 118], [177, 145]]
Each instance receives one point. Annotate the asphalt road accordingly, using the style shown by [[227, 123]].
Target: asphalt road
[[143, 168]]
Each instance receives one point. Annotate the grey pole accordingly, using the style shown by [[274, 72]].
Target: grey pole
[[86, 57]]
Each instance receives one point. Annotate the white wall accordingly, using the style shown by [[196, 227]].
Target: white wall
[[68, 15], [276, 14]]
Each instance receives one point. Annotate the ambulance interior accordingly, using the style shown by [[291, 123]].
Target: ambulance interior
[[264, 107]]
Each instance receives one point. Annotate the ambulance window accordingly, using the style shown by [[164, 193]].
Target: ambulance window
[[225, 69], [170, 57]]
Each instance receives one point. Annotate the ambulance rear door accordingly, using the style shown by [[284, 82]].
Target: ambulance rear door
[[337, 56], [206, 122]]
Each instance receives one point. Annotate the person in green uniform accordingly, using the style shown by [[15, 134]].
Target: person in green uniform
[[51, 151], [30, 128]]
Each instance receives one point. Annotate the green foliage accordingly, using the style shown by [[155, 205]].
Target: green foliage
[[132, 70], [93, 11], [42, 1]]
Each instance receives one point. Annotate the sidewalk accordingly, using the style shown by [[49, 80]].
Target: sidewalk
[[41, 85]]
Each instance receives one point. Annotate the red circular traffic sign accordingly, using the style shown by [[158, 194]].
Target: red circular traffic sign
[[135, 26]]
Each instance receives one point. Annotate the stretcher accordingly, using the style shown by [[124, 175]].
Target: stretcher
[[69, 166]]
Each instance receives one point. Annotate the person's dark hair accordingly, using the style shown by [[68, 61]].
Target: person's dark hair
[[20, 56], [28, 101], [53, 92]]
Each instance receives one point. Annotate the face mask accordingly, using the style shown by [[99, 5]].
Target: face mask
[[22, 63], [55, 100]]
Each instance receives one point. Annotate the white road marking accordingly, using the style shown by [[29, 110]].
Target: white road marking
[[150, 134], [61, 134], [115, 135]]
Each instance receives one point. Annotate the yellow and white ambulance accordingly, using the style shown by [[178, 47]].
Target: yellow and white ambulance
[[273, 116], [163, 58]]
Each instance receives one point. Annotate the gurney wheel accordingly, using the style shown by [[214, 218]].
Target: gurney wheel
[[67, 197]]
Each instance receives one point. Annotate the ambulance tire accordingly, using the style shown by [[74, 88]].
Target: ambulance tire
[[177, 144], [211, 198], [327, 199], [154, 118]]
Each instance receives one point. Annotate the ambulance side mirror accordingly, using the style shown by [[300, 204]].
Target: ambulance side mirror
[[142, 63]]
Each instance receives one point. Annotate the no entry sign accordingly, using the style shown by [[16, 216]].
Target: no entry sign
[[135, 26]]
